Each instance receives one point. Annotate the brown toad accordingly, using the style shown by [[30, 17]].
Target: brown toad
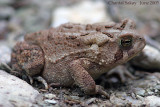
[[75, 53]]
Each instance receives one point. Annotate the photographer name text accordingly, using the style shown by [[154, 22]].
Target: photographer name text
[[133, 3]]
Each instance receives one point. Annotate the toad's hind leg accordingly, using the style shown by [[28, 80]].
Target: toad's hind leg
[[27, 58], [83, 79]]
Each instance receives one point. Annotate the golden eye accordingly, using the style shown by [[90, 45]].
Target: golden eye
[[126, 42]]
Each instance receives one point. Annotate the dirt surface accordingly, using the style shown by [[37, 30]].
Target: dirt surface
[[139, 92]]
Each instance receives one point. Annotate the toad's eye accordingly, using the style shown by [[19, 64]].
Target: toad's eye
[[126, 42]]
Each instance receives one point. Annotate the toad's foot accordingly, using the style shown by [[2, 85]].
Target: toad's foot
[[121, 71], [100, 90], [6, 68], [43, 81]]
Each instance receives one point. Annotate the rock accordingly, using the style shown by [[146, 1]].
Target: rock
[[6, 12], [36, 16], [152, 101], [5, 53], [84, 12], [6, 2], [33, 21], [14, 91], [148, 59], [3, 29]]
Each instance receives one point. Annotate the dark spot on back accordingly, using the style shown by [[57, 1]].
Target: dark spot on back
[[84, 34], [50, 37], [98, 29], [118, 55], [124, 24], [68, 26], [78, 44], [71, 37], [119, 28], [107, 27], [88, 27], [108, 34]]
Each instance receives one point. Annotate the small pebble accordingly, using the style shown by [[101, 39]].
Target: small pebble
[[90, 101], [157, 87], [140, 91], [49, 96], [51, 101], [75, 97]]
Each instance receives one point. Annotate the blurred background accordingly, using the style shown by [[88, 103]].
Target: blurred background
[[18, 17]]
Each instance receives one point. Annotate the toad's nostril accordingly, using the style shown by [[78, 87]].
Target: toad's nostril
[[141, 38]]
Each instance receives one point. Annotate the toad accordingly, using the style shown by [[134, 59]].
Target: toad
[[77, 54]]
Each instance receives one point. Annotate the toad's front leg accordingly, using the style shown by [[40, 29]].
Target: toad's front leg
[[83, 79]]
